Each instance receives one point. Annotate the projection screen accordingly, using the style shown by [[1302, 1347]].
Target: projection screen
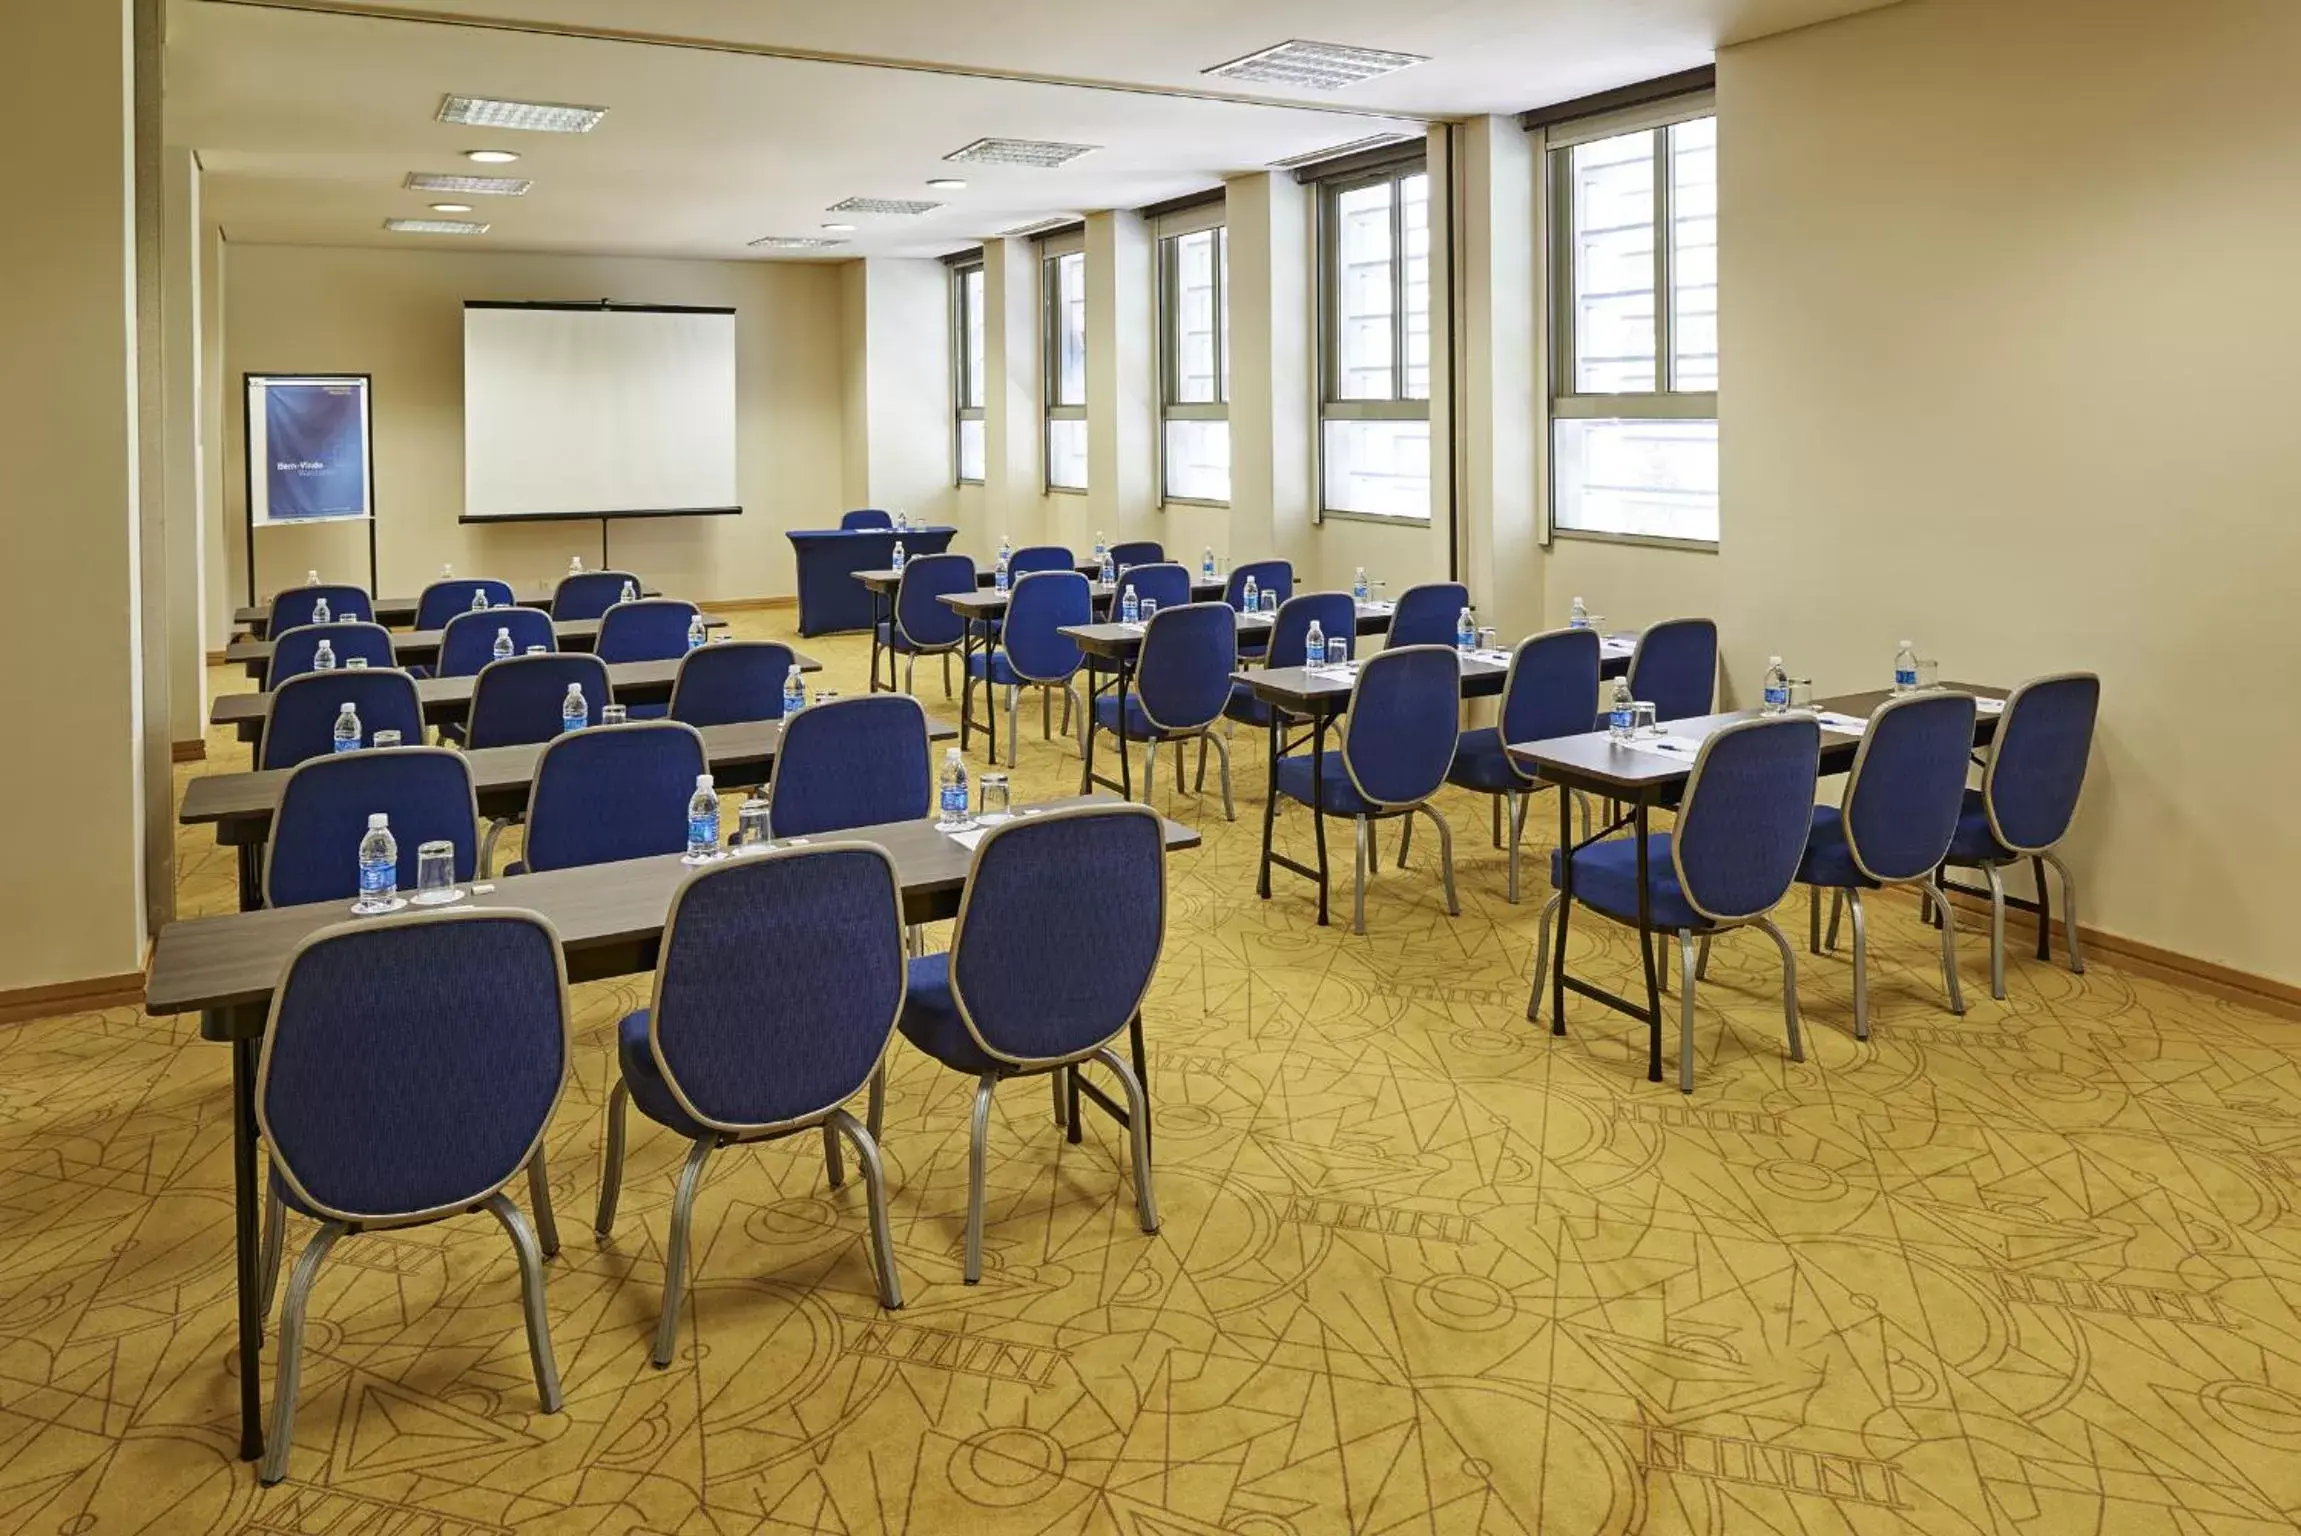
[[590, 410]]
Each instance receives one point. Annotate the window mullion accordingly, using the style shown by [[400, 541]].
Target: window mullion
[[1665, 341], [1398, 289]]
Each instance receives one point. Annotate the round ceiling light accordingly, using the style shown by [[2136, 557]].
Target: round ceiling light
[[491, 156]]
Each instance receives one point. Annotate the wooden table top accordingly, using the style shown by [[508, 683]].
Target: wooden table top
[[448, 697], [423, 644], [403, 609], [234, 961]]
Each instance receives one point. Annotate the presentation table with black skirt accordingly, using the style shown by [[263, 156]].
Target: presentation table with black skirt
[[420, 647], [399, 612], [829, 600]]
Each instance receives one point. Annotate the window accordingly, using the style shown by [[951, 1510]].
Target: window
[[1194, 358], [1063, 285], [1634, 282], [967, 386], [1374, 306]]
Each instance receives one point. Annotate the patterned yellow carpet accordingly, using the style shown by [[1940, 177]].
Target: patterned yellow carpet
[[1423, 1268]]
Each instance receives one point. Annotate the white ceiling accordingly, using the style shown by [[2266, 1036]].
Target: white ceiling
[[307, 120]]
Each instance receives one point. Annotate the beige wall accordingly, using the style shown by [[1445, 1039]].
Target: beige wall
[[2010, 367], [399, 316]]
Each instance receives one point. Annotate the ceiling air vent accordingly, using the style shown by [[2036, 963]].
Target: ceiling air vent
[[794, 243], [527, 116], [1315, 66], [1039, 153], [434, 227], [882, 205], [491, 186]]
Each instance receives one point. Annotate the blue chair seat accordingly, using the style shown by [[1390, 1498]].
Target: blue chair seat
[[1829, 859], [1606, 878], [994, 668], [1481, 764], [931, 1019], [1139, 727], [648, 1089], [1342, 796], [1974, 841], [900, 642]]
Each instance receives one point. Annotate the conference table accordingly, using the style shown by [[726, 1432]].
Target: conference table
[[449, 698], [1654, 772], [398, 612], [420, 647], [610, 920], [240, 806], [829, 600]]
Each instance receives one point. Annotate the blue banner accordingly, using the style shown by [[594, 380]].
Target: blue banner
[[316, 438]]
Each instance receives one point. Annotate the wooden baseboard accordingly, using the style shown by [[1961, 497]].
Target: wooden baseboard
[[2264, 992], [72, 997], [193, 751], [215, 658], [748, 604]]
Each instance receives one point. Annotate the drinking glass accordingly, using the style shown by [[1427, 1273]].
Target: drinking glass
[[721, 636], [614, 714], [751, 824], [1338, 652], [1269, 601], [385, 739], [1801, 693], [1642, 719], [356, 664], [1486, 638], [1929, 672], [1147, 607], [825, 695], [995, 804], [536, 650], [435, 874]]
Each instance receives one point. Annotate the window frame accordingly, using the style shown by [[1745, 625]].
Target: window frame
[[963, 368], [1171, 230], [1399, 406], [1564, 401], [1052, 252]]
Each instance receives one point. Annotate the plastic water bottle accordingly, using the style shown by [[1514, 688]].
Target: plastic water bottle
[[1101, 549], [574, 710], [1206, 564], [324, 659], [1620, 711], [1006, 549], [479, 601], [1314, 646], [1358, 586], [794, 693], [897, 556], [1906, 668], [446, 572], [999, 573], [503, 646], [1130, 606], [695, 632], [1578, 616], [347, 729], [311, 578], [1777, 688], [951, 797], [1466, 632], [1247, 601], [575, 566], [379, 864], [1110, 571], [629, 594], [321, 614], [703, 820]]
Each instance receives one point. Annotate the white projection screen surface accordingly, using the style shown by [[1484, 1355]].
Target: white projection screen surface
[[590, 411]]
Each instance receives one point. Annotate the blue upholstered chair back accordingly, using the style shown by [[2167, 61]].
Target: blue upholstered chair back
[[313, 853], [293, 650], [517, 699], [1042, 604], [1675, 668], [731, 682], [858, 762], [589, 594], [1748, 808], [612, 792], [468, 642], [1405, 715], [1188, 655], [919, 609], [1269, 576], [293, 607], [410, 1067], [2037, 760], [863, 518], [1908, 784], [652, 629], [781, 979], [451, 595], [1336, 614], [1165, 584], [1060, 930], [301, 723], [1138, 552], [1033, 558], [1426, 614], [1552, 689]]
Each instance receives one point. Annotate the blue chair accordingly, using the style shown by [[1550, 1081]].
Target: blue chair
[[1270, 576], [409, 1069], [1166, 585], [517, 700], [467, 643], [1182, 682], [1337, 618], [1674, 668], [1741, 833], [313, 851], [300, 720], [777, 993], [1033, 652], [1034, 558], [732, 682], [652, 629], [452, 595], [922, 625], [1427, 614], [859, 762], [1894, 826], [1397, 743], [864, 518], [589, 594], [1551, 690], [293, 650], [293, 608], [609, 793], [1057, 940], [2028, 795], [1138, 552]]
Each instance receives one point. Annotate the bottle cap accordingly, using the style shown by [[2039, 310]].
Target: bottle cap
[[574, 690], [949, 753], [345, 707], [378, 821], [703, 781], [1908, 644], [504, 631], [1773, 661]]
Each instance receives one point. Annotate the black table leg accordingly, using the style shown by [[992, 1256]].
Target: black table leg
[[990, 694], [875, 642], [249, 1281], [1071, 1092], [1094, 697], [1142, 1072], [1126, 758], [1646, 955], [250, 857], [1269, 806], [1318, 807], [1565, 910], [2044, 910]]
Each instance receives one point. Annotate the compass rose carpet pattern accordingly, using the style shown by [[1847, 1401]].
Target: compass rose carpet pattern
[[1423, 1269]]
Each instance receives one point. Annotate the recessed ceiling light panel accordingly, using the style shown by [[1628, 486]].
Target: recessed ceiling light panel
[[1315, 66], [489, 186], [794, 243], [526, 116], [901, 205], [1041, 153], [434, 227]]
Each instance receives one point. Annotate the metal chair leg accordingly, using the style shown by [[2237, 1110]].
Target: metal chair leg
[[2068, 912], [1358, 880], [278, 1443], [875, 1197], [675, 1255], [539, 1196], [1837, 909], [1150, 768], [1014, 731], [1405, 838], [1861, 967], [495, 830], [978, 1134], [834, 1168], [1518, 799], [910, 674], [1222, 757], [1445, 854], [876, 1113], [611, 1169], [523, 1243], [1789, 988], [1686, 980], [275, 1238], [1541, 958], [1996, 931], [1949, 979], [1198, 785], [1138, 1133]]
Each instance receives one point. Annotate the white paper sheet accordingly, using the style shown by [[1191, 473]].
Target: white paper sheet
[[1844, 725], [1678, 749]]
